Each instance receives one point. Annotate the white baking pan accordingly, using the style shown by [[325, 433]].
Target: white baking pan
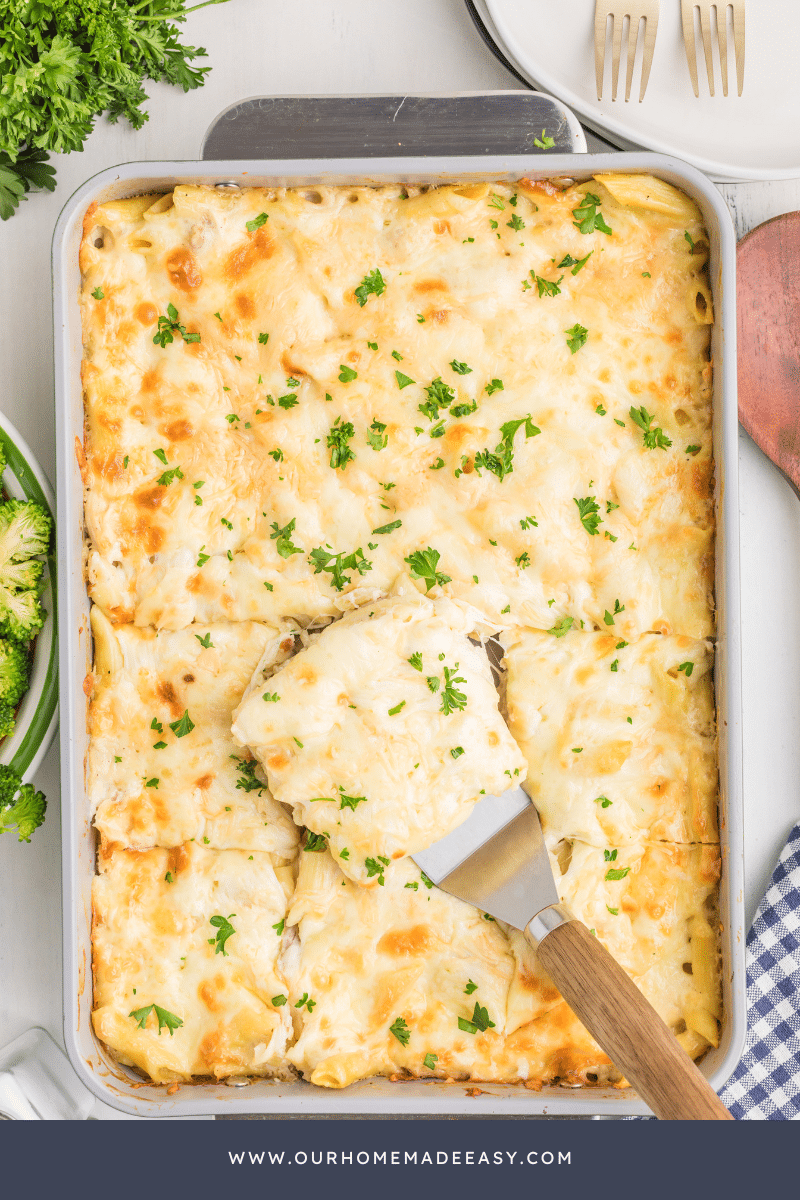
[[121, 1087]]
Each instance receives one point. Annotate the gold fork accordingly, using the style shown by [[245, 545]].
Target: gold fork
[[635, 11], [721, 12]]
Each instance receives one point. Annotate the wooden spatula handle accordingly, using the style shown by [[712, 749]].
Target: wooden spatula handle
[[624, 1023]]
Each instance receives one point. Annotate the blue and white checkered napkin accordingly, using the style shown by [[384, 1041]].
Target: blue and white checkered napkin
[[766, 1084]]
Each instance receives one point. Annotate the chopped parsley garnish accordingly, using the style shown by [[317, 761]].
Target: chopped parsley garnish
[[247, 781], [336, 565], [315, 842], [464, 410], [278, 1001], [429, 1060], [280, 926], [263, 338], [440, 395], [159, 745], [373, 284], [169, 877], [601, 412], [516, 222], [304, 1001], [166, 1019], [257, 222], [544, 142], [202, 559], [170, 325], [224, 521], [523, 560], [547, 287], [161, 456], [589, 219], [414, 886], [184, 725], [457, 751], [480, 1021], [345, 854], [436, 466], [428, 882], [614, 911], [376, 867], [156, 724], [288, 401], [271, 697], [423, 565], [576, 337], [614, 873], [231, 417], [416, 660], [470, 988], [224, 931], [283, 539], [376, 437], [452, 699], [610, 855], [433, 683], [400, 1031], [337, 441], [653, 438], [609, 617], [151, 783], [372, 345], [604, 801], [99, 294], [692, 449], [397, 708], [575, 263], [351, 802], [500, 463], [687, 668], [388, 528], [402, 380], [615, 665], [460, 368], [496, 201], [494, 385], [690, 240], [561, 627], [528, 522], [276, 454], [589, 511], [347, 374]]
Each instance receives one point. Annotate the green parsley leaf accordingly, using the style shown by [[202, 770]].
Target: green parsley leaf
[[457, 751], [337, 441], [433, 683], [615, 665], [589, 219], [280, 926], [614, 873], [394, 711], [372, 345], [480, 1021], [99, 294], [166, 1019], [336, 564], [496, 201], [416, 660], [166, 479], [271, 697], [388, 528], [304, 1001], [224, 521], [687, 668], [523, 560], [263, 338], [374, 868], [257, 222], [470, 988], [516, 222], [161, 456], [400, 1031], [156, 724], [288, 401], [247, 781], [452, 699], [544, 142], [690, 240], [182, 726], [376, 437], [610, 855], [345, 854], [589, 510], [575, 263], [614, 911], [170, 325], [278, 1001], [562, 627], [153, 783], [500, 463], [460, 368], [373, 284], [576, 337], [601, 412], [202, 559], [224, 931], [347, 374], [692, 449], [440, 395], [653, 438], [423, 565], [315, 843], [429, 1060], [494, 385], [169, 877], [604, 801], [351, 802], [283, 539], [159, 745], [547, 287]]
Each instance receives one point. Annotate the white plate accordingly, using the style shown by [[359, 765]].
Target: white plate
[[754, 136]]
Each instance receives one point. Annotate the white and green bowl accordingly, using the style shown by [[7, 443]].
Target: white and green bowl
[[37, 718]]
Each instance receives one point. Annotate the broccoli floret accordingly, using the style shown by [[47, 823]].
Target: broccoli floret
[[21, 615], [27, 812], [10, 781], [13, 672], [22, 575], [2, 459], [25, 530], [7, 719]]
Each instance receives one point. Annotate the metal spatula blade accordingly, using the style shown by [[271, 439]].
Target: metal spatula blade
[[497, 861]]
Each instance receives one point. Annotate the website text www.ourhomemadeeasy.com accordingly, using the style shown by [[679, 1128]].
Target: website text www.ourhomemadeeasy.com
[[400, 1158]]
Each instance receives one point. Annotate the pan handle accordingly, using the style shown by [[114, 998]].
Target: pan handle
[[621, 1020]]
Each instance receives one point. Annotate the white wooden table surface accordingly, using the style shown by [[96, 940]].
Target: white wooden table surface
[[358, 46]]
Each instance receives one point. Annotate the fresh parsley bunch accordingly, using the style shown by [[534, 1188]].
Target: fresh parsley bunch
[[64, 62]]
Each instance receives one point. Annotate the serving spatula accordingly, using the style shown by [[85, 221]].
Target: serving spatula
[[497, 861]]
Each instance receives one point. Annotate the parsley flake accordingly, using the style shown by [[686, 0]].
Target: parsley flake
[[423, 565], [170, 325], [373, 284], [224, 931], [183, 725], [400, 1031], [653, 438], [576, 337], [589, 219], [257, 222], [589, 511]]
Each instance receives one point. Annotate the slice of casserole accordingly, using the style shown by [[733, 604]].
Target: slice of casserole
[[383, 732], [186, 942], [163, 767], [620, 737]]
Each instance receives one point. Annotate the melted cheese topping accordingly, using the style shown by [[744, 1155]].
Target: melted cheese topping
[[620, 739], [363, 735], [368, 957], [287, 355], [154, 944], [150, 787]]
